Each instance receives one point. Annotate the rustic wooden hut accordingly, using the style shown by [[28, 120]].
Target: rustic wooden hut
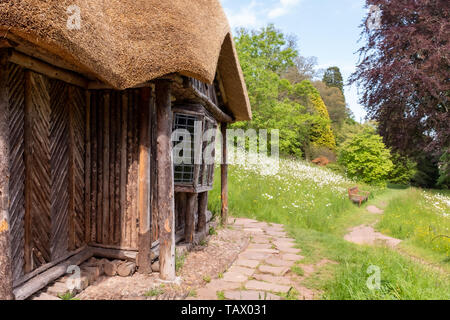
[[86, 115]]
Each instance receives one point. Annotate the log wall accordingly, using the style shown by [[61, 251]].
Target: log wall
[[47, 154], [74, 164]]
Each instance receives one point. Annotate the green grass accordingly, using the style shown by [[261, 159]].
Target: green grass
[[155, 292], [418, 217], [179, 261], [318, 213]]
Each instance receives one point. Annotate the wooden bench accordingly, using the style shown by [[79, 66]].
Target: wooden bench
[[358, 196]]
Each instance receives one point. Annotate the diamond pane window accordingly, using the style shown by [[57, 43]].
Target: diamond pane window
[[191, 175]]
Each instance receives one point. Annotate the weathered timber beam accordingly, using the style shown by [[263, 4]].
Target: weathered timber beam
[[165, 188], [189, 226], [48, 70], [202, 207], [42, 280], [45, 267], [224, 176], [6, 278], [144, 261], [218, 114]]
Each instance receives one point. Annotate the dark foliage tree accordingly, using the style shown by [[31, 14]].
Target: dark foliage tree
[[405, 73], [333, 78]]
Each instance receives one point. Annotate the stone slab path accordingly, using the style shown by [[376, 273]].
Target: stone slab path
[[263, 270], [366, 234]]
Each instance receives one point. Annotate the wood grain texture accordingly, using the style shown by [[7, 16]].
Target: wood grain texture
[[38, 178], [17, 167], [77, 109], [59, 162]]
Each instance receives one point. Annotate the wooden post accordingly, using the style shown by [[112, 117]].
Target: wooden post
[[165, 189], [189, 226], [202, 207], [6, 279], [144, 260], [224, 175]]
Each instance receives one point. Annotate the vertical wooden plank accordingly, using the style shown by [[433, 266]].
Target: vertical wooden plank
[[28, 185], [135, 171], [16, 93], [100, 124], [117, 174], [202, 207], [87, 171], [38, 173], [6, 277], [189, 226], [165, 181], [153, 173], [106, 110], [144, 260], [112, 152], [71, 189], [224, 176], [59, 163], [94, 164], [123, 167]]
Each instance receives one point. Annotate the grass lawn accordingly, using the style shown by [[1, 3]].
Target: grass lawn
[[313, 204]]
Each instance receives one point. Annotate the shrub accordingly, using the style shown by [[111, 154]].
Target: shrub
[[403, 171], [366, 157], [444, 171]]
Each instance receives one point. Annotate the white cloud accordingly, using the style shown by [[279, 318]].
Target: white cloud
[[283, 7], [247, 16]]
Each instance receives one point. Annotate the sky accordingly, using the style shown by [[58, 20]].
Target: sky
[[326, 29]]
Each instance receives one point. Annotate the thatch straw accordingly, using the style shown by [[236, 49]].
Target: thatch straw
[[128, 42]]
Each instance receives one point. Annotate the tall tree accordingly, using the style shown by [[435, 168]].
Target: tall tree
[[405, 73], [333, 78]]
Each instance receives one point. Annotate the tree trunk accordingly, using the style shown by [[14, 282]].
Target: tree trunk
[[5, 245], [165, 188], [224, 176], [144, 260]]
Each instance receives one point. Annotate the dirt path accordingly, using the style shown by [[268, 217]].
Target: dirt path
[[263, 270]]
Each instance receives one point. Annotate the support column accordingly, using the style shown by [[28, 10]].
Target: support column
[[144, 259], [189, 226], [5, 244], [224, 176], [166, 216], [202, 207]]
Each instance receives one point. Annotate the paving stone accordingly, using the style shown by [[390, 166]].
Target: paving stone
[[250, 295], [247, 263], [276, 233], [260, 239], [260, 246], [278, 262], [234, 277], [284, 244], [272, 279], [271, 251], [253, 230], [254, 255], [220, 285], [291, 257], [247, 271], [206, 294], [266, 286], [289, 250], [276, 271]]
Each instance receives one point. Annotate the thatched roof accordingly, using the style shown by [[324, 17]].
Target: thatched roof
[[128, 42]]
